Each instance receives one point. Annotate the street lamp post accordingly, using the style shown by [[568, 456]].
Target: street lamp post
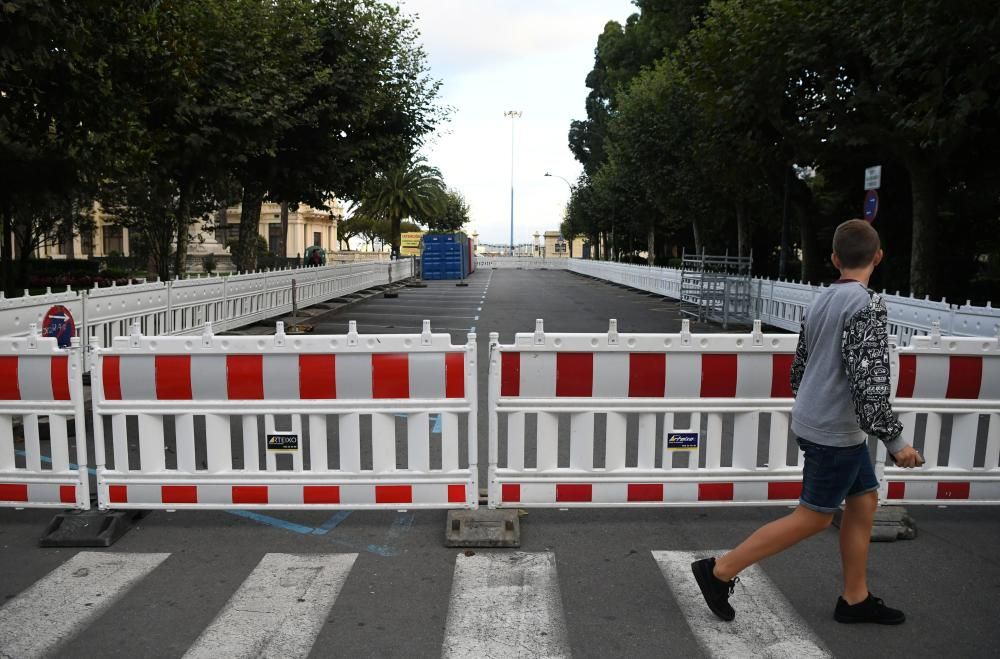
[[513, 114]]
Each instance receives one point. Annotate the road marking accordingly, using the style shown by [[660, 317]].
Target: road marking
[[55, 608], [766, 625], [505, 605], [278, 610]]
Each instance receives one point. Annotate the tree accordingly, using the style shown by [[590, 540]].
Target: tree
[[355, 100], [414, 191], [62, 116], [454, 213]]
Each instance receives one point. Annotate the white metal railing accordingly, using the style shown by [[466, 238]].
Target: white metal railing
[[780, 303], [183, 306]]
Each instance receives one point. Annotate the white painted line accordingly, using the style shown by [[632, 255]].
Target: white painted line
[[476, 318], [766, 625], [55, 608], [505, 605], [278, 610]]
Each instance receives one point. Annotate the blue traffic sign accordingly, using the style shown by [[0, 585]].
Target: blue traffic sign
[[871, 205], [58, 322]]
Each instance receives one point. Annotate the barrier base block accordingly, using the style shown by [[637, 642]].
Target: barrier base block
[[417, 284], [89, 528], [483, 528], [891, 523]]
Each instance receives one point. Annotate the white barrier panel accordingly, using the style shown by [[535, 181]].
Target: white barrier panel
[[41, 388], [642, 420], [948, 389], [290, 422]]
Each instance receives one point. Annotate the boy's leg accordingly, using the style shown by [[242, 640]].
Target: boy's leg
[[855, 537], [770, 539]]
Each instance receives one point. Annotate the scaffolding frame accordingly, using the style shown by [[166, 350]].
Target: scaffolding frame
[[716, 287]]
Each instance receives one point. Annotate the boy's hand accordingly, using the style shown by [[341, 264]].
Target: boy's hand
[[908, 457]]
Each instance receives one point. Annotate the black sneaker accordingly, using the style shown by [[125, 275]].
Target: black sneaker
[[715, 591], [872, 609]]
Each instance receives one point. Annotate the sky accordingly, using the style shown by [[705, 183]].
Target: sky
[[497, 55]]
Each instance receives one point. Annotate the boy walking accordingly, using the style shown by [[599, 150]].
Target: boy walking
[[840, 379]]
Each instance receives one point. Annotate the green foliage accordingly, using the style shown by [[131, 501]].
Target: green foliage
[[414, 190], [708, 120], [160, 108], [453, 216]]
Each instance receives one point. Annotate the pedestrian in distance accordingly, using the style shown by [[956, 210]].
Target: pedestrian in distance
[[840, 380]]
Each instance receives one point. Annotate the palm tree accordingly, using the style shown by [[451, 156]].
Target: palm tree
[[414, 190]]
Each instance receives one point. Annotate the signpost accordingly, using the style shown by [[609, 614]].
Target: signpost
[[871, 205], [873, 181], [58, 322]]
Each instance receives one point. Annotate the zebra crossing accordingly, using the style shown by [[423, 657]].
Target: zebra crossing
[[502, 604]]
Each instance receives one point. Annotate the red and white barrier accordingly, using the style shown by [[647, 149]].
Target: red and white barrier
[[948, 388], [287, 422], [566, 394], [41, 388]]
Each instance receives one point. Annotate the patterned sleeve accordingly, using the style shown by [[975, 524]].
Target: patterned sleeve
[[799, 362], [865, 353]]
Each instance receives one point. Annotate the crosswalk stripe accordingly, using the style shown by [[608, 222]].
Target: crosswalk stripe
[[51, 611], [505, 605], [766, 625], [278, 610]]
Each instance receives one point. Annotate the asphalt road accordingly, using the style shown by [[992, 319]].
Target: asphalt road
[[591, 584]]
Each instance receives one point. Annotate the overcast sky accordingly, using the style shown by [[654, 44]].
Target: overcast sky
[[497, 55]]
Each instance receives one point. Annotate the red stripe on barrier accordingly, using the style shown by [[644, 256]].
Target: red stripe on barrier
[[574, 492], [907, 376], [111, 378], [245, 377], [321, 494], [250, 494], [391, 376], [9, 388], [510, 374], [179, 493], [781, 376], [173, 377], [67, 494], [510, 492], [575, 374], [897, 490], [718, 376], [715, 491], [454, 375], [60, 378], [953, 490], [456, 493], [647, 375], [393, 494], [965, 375], [118, 493], [784, 490], [13, 491], [317, 377], [645, 491]]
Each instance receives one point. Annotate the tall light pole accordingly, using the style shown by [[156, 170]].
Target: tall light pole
[[513, 114]]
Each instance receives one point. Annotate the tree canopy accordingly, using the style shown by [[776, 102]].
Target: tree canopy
[[713, 121], [165, 110]]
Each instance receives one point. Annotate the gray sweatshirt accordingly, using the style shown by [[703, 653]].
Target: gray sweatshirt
[[840, 374]]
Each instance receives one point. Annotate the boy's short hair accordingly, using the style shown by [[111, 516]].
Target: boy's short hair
[[855, 243]]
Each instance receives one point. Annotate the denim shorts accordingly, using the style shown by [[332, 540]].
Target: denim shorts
[[833, 473]]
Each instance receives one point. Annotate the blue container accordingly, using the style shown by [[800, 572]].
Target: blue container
[[445, 256]]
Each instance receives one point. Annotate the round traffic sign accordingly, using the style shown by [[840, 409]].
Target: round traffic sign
[[871, 205], [58, 322]]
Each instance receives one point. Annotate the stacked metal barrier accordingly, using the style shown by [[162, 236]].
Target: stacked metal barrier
[[41, 410]]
